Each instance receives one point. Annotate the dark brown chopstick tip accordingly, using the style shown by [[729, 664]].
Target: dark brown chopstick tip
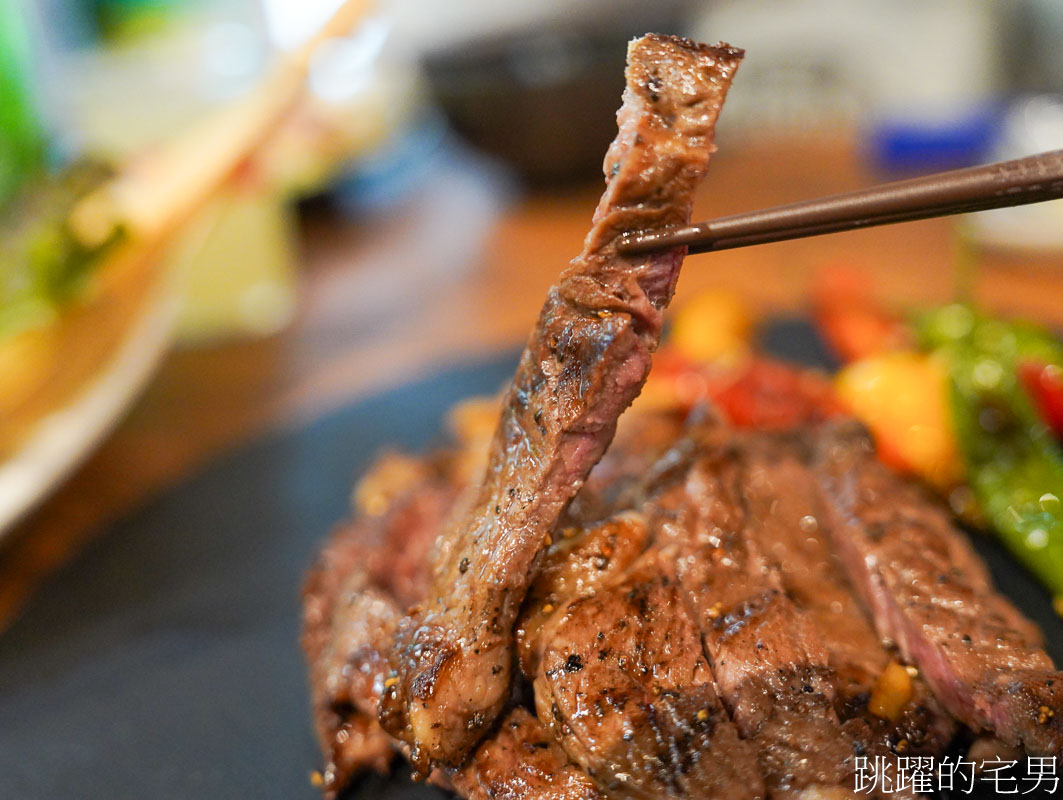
[[633, 244], [1033, 179]]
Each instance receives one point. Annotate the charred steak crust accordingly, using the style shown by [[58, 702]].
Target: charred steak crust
[[340, 634], [927, 591], [584, 559], [620, 675], [626, 689], [350, 613], [521, 761], [583, 365]]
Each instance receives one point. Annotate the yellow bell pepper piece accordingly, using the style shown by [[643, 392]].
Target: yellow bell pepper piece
[[903, 398]]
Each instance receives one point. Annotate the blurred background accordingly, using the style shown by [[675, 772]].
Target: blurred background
[[216, 220]]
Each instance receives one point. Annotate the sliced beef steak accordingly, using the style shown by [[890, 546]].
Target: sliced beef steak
[[347, 664], [782, 493], [625, 688], [585, 362], [771, 670], [619, 673], [602, 533], [771, 666], [352, 602], [521, 761], [702, 640], [700, 613], [640, 458], [928, 592], [582, 561]]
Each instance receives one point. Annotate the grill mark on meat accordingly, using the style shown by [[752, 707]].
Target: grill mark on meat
[[680, 743], [522, 762], [584, 363], [771, 670], [517, 761], [588, 554], [783, 494], [627, 692], [928, 591]]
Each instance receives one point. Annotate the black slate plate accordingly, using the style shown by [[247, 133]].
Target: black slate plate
[[164, 662]]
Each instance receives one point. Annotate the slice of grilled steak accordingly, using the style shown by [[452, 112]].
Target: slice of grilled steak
[[347, 684], [585, 362], [626, 689], [521, 761], [641, 739], [772, 671], [928, 591], [783, 494], [340, 633], [352, 600], [583, 560], [602, 532]]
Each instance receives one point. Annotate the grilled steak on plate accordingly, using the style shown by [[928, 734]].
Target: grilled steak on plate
[[701, 613]]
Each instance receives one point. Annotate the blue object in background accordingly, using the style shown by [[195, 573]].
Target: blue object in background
[[919, 145]]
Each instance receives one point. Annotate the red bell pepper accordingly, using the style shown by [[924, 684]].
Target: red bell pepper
[[1044, 383], [849, 318]]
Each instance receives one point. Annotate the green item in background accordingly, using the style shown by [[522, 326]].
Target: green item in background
[[131, 19], [1013, 464], [43, 265], [22, 137]]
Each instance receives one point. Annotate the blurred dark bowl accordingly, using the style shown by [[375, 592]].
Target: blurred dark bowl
[[543, 101]]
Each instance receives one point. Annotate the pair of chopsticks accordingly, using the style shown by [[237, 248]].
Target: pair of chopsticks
[[1008, 183]]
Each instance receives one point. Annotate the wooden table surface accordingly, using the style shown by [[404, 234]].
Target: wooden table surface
[[457, 272]]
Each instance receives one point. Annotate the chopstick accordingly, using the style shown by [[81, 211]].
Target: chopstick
[[1033, 179]]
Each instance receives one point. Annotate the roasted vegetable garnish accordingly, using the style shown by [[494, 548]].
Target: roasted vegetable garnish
[[959, 397], [902, 397], [1044, 383], [1013, 463], [850, 318]]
